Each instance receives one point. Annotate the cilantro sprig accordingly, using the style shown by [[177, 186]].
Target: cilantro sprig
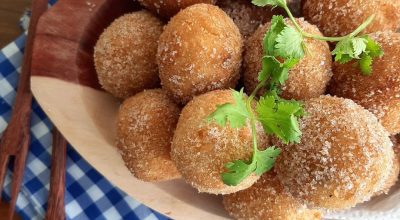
[[237, 115], [289, 41], [364, 49], [276, 115], [283, 48], [279, 117]]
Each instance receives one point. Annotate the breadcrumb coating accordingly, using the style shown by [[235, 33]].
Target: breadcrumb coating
[[247, 16], [267, 200], [345, 155], [380, 92], [125, 54], [392, 179], [201, 149], [145, 127], [341, 17], [308, 79], [199, 51], [168, 8], [394, 174]]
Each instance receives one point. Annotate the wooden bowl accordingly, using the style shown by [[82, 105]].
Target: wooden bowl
[[64, 83]]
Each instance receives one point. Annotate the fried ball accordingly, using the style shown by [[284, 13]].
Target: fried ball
[[267, 200], [199, 51], [392, 179], [145, 127], [308, 79], [247, 16], [341, 17], [168, 8], [345, 155], [201, 149], [380, 92], [394, 174], [125, 54]]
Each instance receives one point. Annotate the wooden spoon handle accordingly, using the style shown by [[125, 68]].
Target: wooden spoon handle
[[55, 204]]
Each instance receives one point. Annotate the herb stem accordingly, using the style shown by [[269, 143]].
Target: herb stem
[[322, 38], [352, 34], [330, 39], [362, 26], [291, 17], [253, 127], [259, 86], [253, 118]]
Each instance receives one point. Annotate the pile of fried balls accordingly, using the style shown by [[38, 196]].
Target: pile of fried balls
[[174, 61]]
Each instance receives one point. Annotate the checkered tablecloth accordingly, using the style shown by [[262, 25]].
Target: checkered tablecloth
[[88, 194]]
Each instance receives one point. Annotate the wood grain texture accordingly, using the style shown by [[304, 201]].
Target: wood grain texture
[[4, 211], [10, 13], [86, 117], [16, 137], [67, 34], [55, 203]]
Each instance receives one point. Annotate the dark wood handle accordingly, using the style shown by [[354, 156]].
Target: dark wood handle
[[17, 131], [16, 137], [55, 204]]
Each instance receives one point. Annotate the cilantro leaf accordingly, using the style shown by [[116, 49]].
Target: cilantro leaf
[[270, 66], [289, 44], [236, 114], [278, 42], [280, 117], [359, 46], [269, 41], [273, 3], [343, 51], [373, 48], [275, 71], [364, 49], [349, 48], [281, 74], [366, 65], [238, 170], [266, 159]]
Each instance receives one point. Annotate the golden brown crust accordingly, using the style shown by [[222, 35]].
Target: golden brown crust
[[394, 174], [201, 149], [246, 15], [199, 51], [145, 127], [125, 54], [344, 156], [392, 179], [380, 92], [267, 200], [341, 17], [308, 79], [168, 8]]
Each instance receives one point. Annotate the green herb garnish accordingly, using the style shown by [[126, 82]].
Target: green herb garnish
[[284, 47]]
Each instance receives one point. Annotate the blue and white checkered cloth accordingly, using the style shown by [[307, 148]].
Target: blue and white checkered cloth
[[88, 194]]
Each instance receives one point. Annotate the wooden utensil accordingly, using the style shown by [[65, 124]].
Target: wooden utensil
[[15, 140], [55, 204]]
